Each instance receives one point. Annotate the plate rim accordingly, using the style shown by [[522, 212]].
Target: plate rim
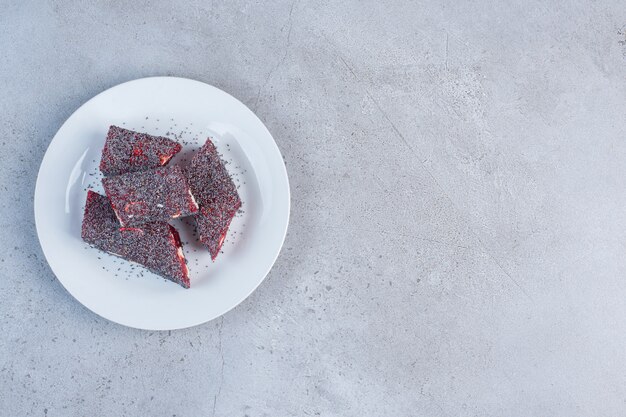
[[37, 203]]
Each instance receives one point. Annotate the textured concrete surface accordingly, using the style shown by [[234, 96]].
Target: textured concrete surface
[[458, 172]]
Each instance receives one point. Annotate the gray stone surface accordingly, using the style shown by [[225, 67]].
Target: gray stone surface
[[458, 172]]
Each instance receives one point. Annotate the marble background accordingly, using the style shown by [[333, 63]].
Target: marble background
[[458, 235]]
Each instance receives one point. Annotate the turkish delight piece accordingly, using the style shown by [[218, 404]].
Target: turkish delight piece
[[128, 151], [156, 246], [216, 194], [150, 196]]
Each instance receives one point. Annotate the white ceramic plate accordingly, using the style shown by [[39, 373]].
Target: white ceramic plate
[[189, 111]]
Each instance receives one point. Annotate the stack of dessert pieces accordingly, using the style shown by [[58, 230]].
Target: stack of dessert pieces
[[143, 193]]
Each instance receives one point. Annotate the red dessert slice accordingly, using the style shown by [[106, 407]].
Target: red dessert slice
[[217, 195], [156, 246], [127, 151], [150, 196]]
